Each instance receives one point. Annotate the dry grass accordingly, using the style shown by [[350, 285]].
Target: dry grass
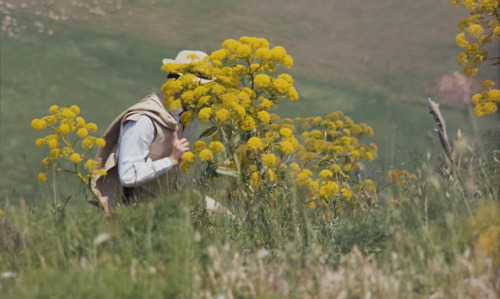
[[232, 275]]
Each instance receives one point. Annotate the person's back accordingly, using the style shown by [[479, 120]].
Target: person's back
[[144, 146]]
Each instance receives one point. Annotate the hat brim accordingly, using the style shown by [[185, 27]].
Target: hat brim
[[182, 58], [167, 60]]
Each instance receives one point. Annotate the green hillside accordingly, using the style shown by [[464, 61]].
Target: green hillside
[[372, 61]]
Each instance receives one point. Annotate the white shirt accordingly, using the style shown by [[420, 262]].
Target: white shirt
[[134, 165]]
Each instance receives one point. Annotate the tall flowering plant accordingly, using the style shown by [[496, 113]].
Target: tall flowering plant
[[257, 149], [481, 28], [69, 144]]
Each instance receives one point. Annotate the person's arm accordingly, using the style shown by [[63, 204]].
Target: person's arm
[[134, 166]]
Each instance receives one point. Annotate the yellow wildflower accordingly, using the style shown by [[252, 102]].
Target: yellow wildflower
[[198, 146], [80, 121], [462, 59], [286, 132], [53, 109], [40, 142], [304, 175], [461, 41], [316, 121], [223, 116], [82, 132], [316, 134], [217, 147], [100, 142], [263, 53], [325, 174], [356, 155], [292, 94], [245, 99], [487, 83], [42, 177], [187, 117], [188, 157], [496, 32], [295, 166], [370, 156], [184, 167], [262, 81], [370, 187], [475, 30], [269, 160], [99, 172], [205, 114], [494, 95], [286, 77], [38, 124], [278, 53], [346, 193], [286, 147], [67, 113], [264, 117], [255, 144], [53, 143], [75, 109], [281, 85], [244, 51], [87, 143], [265, 103], [288, 61], [220, 54], [348, 166], [64, 129], [90, 164], [75, 158], [240, 110], [271, 176], [248, 123], [206, 155], [328, 189], [54, 153], [255, 180], [229, 99], [92, 127]]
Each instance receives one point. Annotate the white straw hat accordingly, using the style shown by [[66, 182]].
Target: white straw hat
[[188, 56]]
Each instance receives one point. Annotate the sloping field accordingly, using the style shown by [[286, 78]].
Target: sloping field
[[373, 60]]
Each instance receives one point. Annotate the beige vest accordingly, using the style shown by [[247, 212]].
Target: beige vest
[[108, 188]]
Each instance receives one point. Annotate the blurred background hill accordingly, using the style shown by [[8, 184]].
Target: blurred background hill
[[377, 61]]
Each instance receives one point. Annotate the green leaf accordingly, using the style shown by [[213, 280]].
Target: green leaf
[[209, 131], [226, 171]]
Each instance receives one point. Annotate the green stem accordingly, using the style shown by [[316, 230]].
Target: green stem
[[54, 190]]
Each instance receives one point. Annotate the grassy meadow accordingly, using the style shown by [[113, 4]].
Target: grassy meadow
[[434, 236]]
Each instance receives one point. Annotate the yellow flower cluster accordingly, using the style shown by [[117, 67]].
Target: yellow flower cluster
[[329, 146], [68, 130], [484, 226], [401, 176], [257, 147], [486, 102], [242, 89], [482, 27], [205, 154]]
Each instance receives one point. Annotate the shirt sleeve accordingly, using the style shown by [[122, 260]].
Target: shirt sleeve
[[134, 166]]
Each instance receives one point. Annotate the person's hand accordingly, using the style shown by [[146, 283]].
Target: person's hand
[[179, 147]]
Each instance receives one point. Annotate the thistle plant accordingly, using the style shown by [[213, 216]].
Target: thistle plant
[[256, 148], [70, 143], [479, 30]]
